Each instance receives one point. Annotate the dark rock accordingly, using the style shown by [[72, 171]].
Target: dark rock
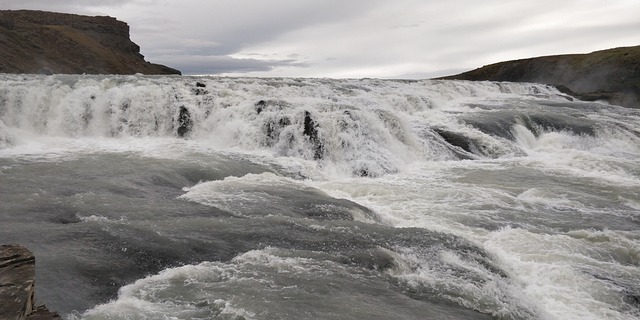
[[311, 130], [455, 139], [36, 41], [42, 313], [460, 141], [632, 299], [17, 285], [284, 121], [45, 71], [274, 105], [260, 105], [273, 128], [184, 122], [374, 259], [539, 122], [361, 172], [199, 89], [501, 123], [310, 127]]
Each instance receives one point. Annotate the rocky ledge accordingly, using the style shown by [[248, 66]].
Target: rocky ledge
[[17, 286], [612, 75], [48, 42]]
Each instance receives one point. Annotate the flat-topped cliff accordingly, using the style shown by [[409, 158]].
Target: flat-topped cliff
[[612, 75], [48, 42]]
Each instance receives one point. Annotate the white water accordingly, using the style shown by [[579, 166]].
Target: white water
[[364, 124], [552, 208]]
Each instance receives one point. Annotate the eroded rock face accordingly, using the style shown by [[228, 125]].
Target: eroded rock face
[[32, 41], [17, 275], [17, 285]]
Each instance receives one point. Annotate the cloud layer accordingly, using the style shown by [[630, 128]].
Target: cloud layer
[[358, 38]]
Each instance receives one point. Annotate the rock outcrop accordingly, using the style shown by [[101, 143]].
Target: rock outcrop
[[612, 75], [48, 42], [17, 285]]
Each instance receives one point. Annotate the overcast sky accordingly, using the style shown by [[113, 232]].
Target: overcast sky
[[358, 38]]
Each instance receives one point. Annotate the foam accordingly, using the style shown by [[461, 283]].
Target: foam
[[557, 271], [243, 288], [378, 149], [171, 295], [464, 281], [365, 126]]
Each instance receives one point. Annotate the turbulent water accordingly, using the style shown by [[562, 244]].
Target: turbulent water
[[239, 198]]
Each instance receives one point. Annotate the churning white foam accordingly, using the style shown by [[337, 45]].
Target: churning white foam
[[341, 133], [564, 274]]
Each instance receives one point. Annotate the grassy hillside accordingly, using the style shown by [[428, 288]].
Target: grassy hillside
[[612, 75]]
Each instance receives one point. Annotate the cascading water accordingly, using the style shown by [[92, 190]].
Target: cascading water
[[243, 198]]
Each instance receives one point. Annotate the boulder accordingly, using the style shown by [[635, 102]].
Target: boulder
[[184, 122], [311, 130], [17, 285], [200, 89]]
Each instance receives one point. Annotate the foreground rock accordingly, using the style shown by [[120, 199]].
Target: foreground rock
[[17, 285], [612, 75], [48, 42]]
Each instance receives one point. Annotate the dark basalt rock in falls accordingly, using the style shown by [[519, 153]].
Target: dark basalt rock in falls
[[311, 131], [184, 122]]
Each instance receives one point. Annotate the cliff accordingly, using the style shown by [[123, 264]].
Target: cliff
[[17, 285], [47, 42], [612, 75]]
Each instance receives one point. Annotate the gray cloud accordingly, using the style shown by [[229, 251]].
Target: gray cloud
[[358, 38], [236, 24], [225, 64], [71, 6]]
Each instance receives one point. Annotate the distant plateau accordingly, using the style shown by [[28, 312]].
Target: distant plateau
[[611, 75]]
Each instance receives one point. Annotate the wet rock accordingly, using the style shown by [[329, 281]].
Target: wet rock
[[260, 105], [273, 128], [559, 122], [65, 218], [184, 122], [362, 172], [374, 259], [42, 313], [454, 139], [199, 89], [460, 141], [17, 285], [311, 130], [45, 71], [284, 121], [274, 105], [500, 123]]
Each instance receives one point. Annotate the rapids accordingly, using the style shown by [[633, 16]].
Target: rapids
[[153, 197]]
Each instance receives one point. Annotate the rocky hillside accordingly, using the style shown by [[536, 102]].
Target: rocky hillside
[[47, 42], [612, 75]]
